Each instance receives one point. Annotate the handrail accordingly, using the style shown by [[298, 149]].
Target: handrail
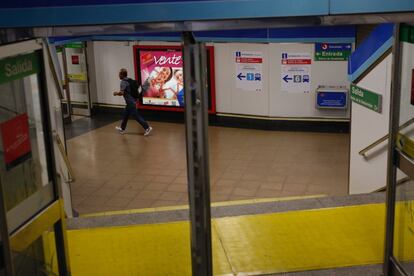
[[399, 182], [64, 156], [54, 67], [364, 151]]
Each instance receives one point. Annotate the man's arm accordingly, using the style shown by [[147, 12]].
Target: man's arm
[[122, 90], [118, 93]]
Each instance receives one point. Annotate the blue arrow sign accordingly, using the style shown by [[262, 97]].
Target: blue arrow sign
[[286, 78], [240, 76]]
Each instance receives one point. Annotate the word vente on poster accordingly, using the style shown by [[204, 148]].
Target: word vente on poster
[[249, 70], [162, 77], [296, 72]]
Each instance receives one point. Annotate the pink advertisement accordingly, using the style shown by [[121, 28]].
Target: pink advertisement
[[162, 77]]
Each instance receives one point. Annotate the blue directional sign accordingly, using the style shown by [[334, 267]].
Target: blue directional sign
[[240, 76], [287, 79], [333, 47]]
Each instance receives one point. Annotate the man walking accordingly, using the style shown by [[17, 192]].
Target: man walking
[[130, 108]]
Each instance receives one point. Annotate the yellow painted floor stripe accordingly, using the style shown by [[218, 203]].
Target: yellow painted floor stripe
[[304, 240], [184, 207], [159, 249], [245, 245]]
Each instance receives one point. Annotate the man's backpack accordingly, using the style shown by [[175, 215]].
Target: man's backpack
[[133, 85]]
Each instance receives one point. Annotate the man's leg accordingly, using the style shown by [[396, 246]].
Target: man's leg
[[125, 117], [139, 119]]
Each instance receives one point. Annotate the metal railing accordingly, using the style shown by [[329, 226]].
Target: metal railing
[[365, 150], [64, 156]]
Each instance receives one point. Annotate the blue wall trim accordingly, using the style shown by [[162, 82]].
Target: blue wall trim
[[135, 38], [373, 45], [314, 39], [34, 13], [250, 33], [311, 34], [370, 6], [63, 3], [371, 60], [160, 12], [336, 6], [322, 31]]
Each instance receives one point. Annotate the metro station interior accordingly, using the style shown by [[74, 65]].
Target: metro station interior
[[276, 137]]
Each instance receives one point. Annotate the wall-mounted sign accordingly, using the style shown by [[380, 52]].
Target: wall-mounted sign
[[75, 59], [16, 140], [332, 51], [162, 77], [159, 71], [77, 77], [248, 74], [75, 45], [366, 98], [331, 97], [296, 72], [18, 67]]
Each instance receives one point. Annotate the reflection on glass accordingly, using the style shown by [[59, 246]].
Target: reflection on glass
[[404, 225], [24, 173], [39, 258], [404, 213]]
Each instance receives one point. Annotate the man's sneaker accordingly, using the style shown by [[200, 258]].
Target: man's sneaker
[[120, 130], [147, 131]]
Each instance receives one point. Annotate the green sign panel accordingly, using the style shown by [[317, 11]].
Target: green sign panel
[[366, 98], [332, 51], [75, 45], [18, 67], [407, 33], [333, 56]]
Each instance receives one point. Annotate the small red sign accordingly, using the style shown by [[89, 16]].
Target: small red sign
[[248, 60], [412, 87], [296, 61], [75, 59], [16, 140]]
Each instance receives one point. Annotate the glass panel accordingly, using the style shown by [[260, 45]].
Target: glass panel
[[24, 172], [2, 272], [404, 214], [78, 78], [404, 226], [39, 258]]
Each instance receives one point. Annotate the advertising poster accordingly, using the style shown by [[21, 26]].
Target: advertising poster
[[249, 70], [296, 72], [162, 77], [16, 140], [332, 51]]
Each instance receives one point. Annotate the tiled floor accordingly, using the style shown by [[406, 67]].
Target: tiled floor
[[129, 171]]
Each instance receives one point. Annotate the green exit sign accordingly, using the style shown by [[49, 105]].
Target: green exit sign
[[331, 56], [366, 98]]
